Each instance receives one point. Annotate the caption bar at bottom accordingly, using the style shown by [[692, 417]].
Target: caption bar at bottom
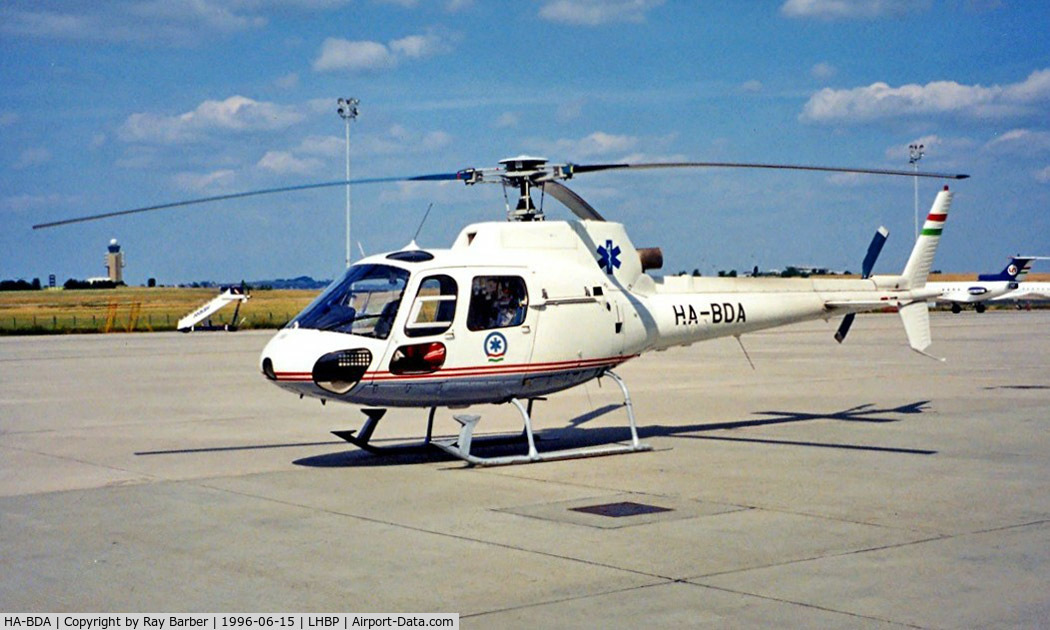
[[225, 621]]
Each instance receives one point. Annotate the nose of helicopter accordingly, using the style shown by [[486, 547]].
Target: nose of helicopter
[[301, 360]]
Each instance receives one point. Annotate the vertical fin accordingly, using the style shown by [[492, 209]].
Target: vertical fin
[[1016, 269], [916, 320], [921, 259]]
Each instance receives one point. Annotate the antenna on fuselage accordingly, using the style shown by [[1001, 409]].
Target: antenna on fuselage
[[425, 215]]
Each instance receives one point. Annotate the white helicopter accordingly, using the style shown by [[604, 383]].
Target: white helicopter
[[516, 310]]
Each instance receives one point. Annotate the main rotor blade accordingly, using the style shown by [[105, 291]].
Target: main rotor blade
[[571, 200], [590, 168], [252, 193]]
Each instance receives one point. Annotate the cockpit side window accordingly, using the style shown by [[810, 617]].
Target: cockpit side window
[[497, 302], [434, 307], [363, 302]]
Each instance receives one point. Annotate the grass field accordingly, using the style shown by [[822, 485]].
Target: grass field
[[130, 309], [138, 309]]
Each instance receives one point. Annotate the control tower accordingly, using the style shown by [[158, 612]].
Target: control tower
[[115, 262]]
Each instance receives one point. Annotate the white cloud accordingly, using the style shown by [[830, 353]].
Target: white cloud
[[398, 140], [440, 192], [880, 100], [507, 119], [850, 9], [208, 14], [288, 81], [324, 146], [25, 202], [1020, 142], [33, 156], [823, 70], [341, 54], [751, 86], [321, 105], [639, 158], [1033, 89], [597, 143], [934, 146], [282, 162], [139, 156], [1043, 176], [178, 22], [569, 111], [368, 56], [236, 113], [596, 12], [419, 46], [850, 180], [436, 140], [203, 181]]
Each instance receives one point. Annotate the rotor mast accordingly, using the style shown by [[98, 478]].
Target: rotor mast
[[524, 171]]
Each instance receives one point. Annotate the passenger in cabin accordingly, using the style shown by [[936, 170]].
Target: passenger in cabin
[[506, 307], [496, 302]]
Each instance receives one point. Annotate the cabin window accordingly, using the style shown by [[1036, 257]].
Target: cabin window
[[497, 302], [363, 302], [434, 308]]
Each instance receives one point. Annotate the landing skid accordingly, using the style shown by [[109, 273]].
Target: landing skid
[[363, 438], [461, 447]]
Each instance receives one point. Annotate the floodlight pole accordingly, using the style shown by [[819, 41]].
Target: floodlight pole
[[348, 112], [915, 153]]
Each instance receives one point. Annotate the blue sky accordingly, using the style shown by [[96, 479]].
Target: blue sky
[[108, 105]]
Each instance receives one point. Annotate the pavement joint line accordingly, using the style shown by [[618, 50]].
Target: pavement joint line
[[663, 578], [147, 476], [563, 600], [740, 506], [432, 532], [941, 538], [131, 424], [691, 584], [826, 556], [1005, 528], [903, 624], [837, 519]]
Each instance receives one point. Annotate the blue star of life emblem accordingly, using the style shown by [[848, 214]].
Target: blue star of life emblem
[[495, 347], [609, 256]]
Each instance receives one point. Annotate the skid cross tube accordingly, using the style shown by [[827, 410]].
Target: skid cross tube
[[461, 447]]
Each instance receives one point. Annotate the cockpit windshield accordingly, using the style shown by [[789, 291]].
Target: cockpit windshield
[[364, 302]]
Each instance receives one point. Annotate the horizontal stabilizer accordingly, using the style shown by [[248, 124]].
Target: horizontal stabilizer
[[864, 305]]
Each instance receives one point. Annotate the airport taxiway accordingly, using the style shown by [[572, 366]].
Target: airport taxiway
[[859, 485]]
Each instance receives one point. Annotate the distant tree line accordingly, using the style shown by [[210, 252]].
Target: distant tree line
[[73, 283], [20, 285]]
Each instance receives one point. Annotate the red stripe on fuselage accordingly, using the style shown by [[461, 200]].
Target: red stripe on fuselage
[[479, 370], [936, 217]]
